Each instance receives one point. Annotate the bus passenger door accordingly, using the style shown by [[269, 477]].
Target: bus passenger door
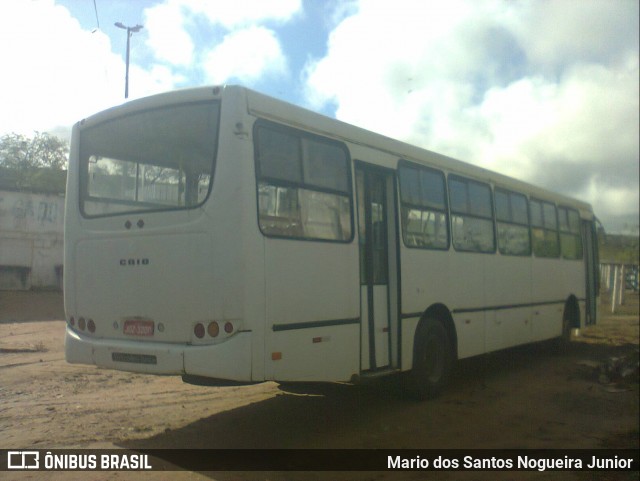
[[590, 242], [378, 268]]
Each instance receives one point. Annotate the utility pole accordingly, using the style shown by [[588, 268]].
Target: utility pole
[[130, 31]]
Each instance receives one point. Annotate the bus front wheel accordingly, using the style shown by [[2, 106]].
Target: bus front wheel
[[570, 319], [432, 360]]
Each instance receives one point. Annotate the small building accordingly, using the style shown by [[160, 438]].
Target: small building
[[31, 240]]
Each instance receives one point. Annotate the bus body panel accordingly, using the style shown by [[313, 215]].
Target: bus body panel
[[470, 328], [467, 299], [160, 277], [314, 354], [508, 287], [548, 298], [310, 281], [172, 268], [407, 333], [228, 360], [297, 306], [426, 279], [72, 227], [305, 283], [153, 358]]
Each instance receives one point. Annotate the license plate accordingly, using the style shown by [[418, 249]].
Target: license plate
[[138, 327]]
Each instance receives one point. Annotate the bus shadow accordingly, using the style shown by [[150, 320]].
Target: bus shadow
[[531, 356], [301, 416], [365, 416]]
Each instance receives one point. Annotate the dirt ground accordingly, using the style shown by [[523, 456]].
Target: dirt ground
[[527, 397]]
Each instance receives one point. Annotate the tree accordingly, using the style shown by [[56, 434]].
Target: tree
[[33, 163]]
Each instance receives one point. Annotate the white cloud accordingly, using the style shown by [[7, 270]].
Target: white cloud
[[233, 14], [171, 25], [54, 71], [398, 59], [57, 73], [157, 78], [479, 81], [246, 55], [167, 35], [559, 32], [545, 91]]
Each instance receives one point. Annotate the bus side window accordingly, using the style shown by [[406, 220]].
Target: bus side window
[[512, 221], [471, 215], [304, 185], [544, 229], [424, 208], [570, 238]]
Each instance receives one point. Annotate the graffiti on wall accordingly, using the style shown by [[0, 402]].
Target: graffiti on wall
[[25, 210], [42, 212], [31, 234]]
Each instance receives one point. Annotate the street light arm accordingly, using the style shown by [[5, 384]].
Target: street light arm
[[135, 29], [130, 31]]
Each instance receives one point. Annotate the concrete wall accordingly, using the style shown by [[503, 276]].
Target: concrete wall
[[31, 240]]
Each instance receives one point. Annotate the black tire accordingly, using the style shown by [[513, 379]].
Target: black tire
[[567, 321], [561, 344], [432, 360]]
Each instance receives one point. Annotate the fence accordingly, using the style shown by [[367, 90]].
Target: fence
[[616, 279]]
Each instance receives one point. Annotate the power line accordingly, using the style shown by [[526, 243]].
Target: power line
[[95, 8]]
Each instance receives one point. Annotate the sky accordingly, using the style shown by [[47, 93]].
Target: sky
[[542, 90]]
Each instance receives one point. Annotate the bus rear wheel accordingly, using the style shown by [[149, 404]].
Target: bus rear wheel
[[570, 318], [432, 360]]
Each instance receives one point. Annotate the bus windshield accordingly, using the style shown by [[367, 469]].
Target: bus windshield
[[155, 159]]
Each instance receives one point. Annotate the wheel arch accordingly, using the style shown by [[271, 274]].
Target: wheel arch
[[443, 314], [572, 311]]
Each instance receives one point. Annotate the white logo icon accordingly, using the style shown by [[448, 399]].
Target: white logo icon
[[23, 460]]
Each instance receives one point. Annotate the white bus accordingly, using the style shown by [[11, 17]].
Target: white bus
[[218, 233]]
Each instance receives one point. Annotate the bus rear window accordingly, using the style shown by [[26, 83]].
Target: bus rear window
[[156, 159]]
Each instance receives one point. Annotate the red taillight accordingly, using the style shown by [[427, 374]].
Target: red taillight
[[81, 323], [91, 326], [198, 330], [228, 327], [213, 329]]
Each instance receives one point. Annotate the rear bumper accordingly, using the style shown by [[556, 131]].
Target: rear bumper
[[228, 360]]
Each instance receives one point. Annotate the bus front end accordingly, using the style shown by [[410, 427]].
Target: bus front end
[[149, 279]]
